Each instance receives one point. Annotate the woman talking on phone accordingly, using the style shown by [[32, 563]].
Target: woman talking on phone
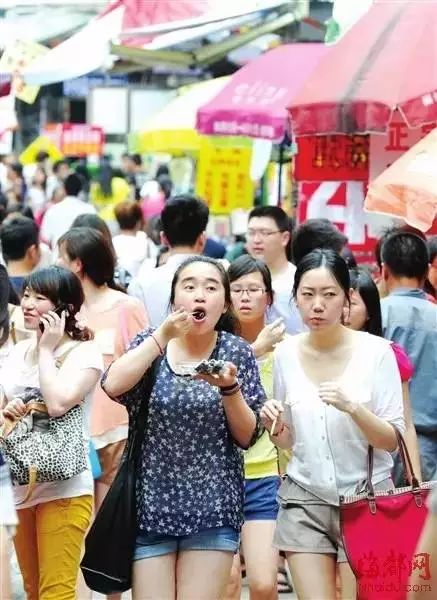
[[190, 478], [60, 368], [336, 391]]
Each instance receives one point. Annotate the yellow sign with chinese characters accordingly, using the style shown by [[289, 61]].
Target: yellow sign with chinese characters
[[223, 179], [15, 59]]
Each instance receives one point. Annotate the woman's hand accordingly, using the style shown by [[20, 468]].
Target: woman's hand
[[227, 376], [271, 412], [177, 324], [15, 409], [268, 337], [54, 328], [331, 393]]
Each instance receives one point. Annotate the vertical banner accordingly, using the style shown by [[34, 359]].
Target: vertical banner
[[223, 179]]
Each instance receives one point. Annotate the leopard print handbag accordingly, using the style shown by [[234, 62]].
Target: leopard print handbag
[[40, 448]]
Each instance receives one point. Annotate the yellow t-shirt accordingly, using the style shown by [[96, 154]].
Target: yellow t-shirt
[[105, 204], [261, 460]]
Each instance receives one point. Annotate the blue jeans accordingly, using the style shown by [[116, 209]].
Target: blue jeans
[[148, 544]]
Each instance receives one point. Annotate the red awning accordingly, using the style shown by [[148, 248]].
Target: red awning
[[253, 102], [386, 61]]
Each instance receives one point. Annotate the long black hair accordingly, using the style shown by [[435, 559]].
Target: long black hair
[[61, 286], [5, 290], [95, 253], [329, 260], [362, 282], [228, 321]]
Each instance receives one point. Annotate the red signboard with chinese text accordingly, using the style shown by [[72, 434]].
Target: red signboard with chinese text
[[332, 158], [76, 139]]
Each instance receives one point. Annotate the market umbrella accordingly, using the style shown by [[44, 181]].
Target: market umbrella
[[386, 61], [253, 102], [408, 188], [172, 129]]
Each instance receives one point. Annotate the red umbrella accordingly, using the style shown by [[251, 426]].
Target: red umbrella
[[253, 102], [140, 13], [386, 61]]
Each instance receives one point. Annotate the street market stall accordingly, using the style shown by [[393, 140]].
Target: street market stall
[[368, 100]]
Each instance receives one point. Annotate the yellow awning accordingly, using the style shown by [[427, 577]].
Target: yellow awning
[[172, 130]]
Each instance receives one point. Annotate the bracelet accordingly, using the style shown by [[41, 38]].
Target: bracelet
[[230, 390], [161, 351], [227, 388]]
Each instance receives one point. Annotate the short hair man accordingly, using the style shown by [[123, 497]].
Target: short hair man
[[410, 320], [59, 217], [316, 233], [432, 275], [184, 220], [20, 248], [268, 238]]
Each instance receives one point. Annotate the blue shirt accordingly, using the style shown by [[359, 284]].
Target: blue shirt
[[191, 471], [410, 320]]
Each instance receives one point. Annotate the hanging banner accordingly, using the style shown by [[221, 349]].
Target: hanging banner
[[223, 179], [17, 57], [332, 158], [342, 203]]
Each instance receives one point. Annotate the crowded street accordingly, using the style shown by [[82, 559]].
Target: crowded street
[[218, 300]]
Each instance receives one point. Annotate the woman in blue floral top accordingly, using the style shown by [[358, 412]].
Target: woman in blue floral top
[[190, 481]]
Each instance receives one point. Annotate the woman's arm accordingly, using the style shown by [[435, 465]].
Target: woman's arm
[[125, 372], [241, 418], [387, 411], [379, 433], [60, 394]]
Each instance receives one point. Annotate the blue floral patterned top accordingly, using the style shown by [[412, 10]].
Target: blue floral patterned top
[[191, 470]]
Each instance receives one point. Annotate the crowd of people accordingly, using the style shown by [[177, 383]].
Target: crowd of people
[[242, 469]]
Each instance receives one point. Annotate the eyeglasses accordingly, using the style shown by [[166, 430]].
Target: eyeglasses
[[250, 291], [262, 233]]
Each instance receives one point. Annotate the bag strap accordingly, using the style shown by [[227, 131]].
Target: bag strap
[[406, 461], [61, 359], [138, 431]]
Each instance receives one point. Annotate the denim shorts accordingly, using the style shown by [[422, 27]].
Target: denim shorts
[[260, 499], [149, 544]]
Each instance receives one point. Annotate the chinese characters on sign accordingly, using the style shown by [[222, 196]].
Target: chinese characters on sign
[[386, 148], [223, 177], [333, 158], [342, 203], [15, 59], [76, 139], [245, 129]]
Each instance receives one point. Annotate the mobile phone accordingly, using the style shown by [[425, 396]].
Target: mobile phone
[[58, 310]]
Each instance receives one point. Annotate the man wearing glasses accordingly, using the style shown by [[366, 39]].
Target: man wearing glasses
[[268, 239]]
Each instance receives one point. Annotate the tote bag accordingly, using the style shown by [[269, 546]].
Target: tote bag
[[40, 448], [110, 543], [380, 531]]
